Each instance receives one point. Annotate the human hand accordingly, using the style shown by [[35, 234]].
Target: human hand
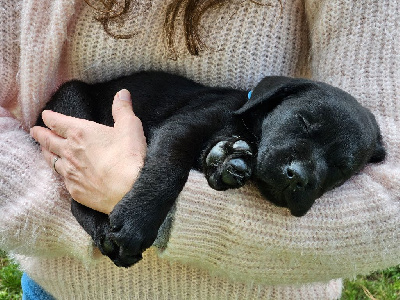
[[99, 163]]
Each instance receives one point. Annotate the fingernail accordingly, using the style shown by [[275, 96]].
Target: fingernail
[[124, 95]]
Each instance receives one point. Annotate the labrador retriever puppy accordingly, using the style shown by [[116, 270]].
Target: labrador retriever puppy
[[295, 138]]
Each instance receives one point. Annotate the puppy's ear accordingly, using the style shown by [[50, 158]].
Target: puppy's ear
[[271, 91], [379, 153]]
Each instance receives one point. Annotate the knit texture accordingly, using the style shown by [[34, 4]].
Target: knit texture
[[66, 278], [222, 245]]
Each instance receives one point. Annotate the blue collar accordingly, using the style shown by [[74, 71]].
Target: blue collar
[[249, 94]]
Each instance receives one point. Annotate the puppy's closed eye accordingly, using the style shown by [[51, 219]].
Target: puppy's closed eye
[[306, 125]]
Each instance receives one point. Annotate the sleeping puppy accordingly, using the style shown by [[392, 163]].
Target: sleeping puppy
[[295, 138]]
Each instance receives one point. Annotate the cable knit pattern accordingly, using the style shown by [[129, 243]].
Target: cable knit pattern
[[222, 245]]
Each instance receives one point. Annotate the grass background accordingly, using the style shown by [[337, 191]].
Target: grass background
[[10, 279], [383, 285]]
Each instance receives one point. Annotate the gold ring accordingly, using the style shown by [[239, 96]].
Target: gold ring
[[54, 163]]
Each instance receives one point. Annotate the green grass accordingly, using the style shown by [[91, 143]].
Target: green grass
[[10, 279], [384, 285]]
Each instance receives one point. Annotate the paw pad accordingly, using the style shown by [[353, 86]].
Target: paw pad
[[228, 164]]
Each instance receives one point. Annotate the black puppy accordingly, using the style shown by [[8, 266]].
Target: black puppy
[[294, 137]]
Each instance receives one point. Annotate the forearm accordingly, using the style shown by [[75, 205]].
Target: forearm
[[238, 234], [36, 217]]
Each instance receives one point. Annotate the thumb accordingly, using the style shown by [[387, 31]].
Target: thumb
[[122, 106], [124, 118]]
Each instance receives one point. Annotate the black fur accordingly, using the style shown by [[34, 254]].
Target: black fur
[[295, 138]]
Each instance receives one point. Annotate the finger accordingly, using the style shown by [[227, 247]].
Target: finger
[[59, 123], [122, 106], [54, 161], [124, 117], [48, 156], [48, 139]]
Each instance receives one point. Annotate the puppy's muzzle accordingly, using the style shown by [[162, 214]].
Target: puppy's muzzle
[[296, 176]]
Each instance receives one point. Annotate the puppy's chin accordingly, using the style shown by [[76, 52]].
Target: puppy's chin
[[300, 211], [298, 203]]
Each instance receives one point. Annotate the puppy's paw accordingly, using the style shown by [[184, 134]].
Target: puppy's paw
[[127, 238], [120, 255], [97, 225], [228, 164], [101, 236]]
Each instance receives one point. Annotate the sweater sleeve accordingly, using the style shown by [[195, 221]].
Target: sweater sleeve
[[36, 218], [353, 229], [35, 209]]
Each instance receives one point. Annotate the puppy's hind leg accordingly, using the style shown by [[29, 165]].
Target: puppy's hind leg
[[71, 99], [74, 99]]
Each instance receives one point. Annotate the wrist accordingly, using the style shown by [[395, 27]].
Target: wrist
[[121, 184]]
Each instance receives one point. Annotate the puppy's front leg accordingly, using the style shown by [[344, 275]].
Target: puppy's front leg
[[136, 219]]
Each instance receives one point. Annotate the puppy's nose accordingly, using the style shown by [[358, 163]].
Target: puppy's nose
[[296, 175]]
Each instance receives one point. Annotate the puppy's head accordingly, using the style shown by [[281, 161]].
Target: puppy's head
[[313, 138]]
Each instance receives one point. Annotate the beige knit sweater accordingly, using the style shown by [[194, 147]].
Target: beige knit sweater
[[222, 245]]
